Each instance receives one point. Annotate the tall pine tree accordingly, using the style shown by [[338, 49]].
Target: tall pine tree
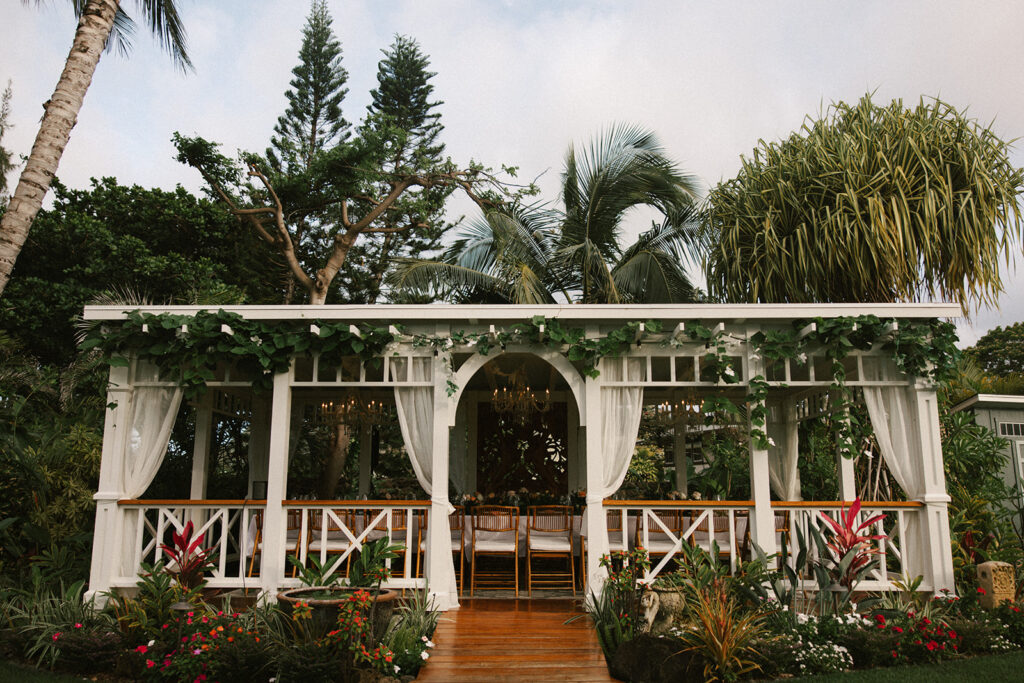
[[313, 121], [403, 123]]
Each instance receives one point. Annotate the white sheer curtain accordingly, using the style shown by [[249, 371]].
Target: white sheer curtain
[[259, 445], [782, 429], [892, 419], [621, 408], [416, 419], [153, 411]]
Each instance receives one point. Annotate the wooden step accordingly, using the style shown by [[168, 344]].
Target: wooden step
[[507, 640]]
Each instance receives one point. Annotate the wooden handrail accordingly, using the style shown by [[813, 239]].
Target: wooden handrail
[[687, 504], [355, 503], [208, 502], [167, 502], [868, 504], [678, 503]]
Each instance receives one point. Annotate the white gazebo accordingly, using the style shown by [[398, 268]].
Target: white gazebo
[[605, 363]]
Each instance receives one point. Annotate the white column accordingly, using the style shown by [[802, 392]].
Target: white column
[[572, 445], [259, 446], [201, 446], [107, 547], [935, 561], [272, 567], [365, 459], [762, 522], [679, 457], [457, 450], [596, 519], [439, 551], [472, 425], [845, 470]]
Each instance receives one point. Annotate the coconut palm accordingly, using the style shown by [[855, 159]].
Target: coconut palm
[[101, 22], [535, 255]]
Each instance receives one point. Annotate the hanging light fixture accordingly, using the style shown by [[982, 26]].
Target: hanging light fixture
[[352, 412]]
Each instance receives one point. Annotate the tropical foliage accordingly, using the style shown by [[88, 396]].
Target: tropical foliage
[[539, 254], [868, 203]]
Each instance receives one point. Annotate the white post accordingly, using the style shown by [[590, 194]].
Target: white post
[[596, 519], [201, 446], [439, 574], [457, 450], [572, 444], [365, 459], [472, 425], [679, 457], [272, 567], [259, 447], [107, 548], [935, 560], [762, 523], [845, 469]]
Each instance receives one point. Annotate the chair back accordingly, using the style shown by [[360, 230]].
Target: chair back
[[614, 520], [496, 518], [549, 518]]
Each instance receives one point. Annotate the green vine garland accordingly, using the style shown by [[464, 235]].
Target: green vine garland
[[260, 349]]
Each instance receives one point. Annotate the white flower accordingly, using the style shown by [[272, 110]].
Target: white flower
[[771, 441], [424, 655], [396, 670], [150, 643], [802, 357], [430, 643], [729, 372]]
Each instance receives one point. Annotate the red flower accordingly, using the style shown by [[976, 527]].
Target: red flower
[[981, 591], [150, 663], [897, 629], [141, 649], [931, 645], [894, 655], [56, 636]]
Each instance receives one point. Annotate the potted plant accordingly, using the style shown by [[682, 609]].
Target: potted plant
[[325, 596]]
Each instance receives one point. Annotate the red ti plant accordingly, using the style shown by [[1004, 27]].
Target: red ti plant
[[187, 559], [853, 549]]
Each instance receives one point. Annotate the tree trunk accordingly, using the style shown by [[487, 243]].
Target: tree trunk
[[60, 115], [335, 465]]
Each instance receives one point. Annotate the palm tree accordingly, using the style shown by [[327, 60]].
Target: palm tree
[[99, 21], [535, 255]]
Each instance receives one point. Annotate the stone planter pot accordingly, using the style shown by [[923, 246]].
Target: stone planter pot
[[663, 608], [326, 606]]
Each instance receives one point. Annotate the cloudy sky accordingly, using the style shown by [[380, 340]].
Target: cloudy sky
[[520, 79]]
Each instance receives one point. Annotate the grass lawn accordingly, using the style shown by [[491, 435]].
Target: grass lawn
[[990, 669]]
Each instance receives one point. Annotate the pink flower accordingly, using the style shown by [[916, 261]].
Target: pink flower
[[78, 626], [141, 649], [150, 663], [56, 636]]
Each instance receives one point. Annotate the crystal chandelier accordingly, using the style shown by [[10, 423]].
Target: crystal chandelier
[[352, 412], [520, 401]]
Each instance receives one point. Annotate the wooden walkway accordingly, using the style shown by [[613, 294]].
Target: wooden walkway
[[496, 640]]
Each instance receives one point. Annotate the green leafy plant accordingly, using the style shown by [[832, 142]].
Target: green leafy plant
[[369, 569], [853, 550], [187, 558], [723, 633], [315, 573]]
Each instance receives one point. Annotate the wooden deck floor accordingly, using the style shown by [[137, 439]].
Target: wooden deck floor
[[496, 640]]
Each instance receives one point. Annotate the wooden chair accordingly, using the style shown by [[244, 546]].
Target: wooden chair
[[722, 538], [457, 522], [549, 534], [292, 537], [496, 534], [659, 543], [326, 537], [399, 531]]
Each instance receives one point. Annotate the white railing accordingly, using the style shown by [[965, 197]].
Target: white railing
[[229, 529], [887, 565], [662, 527], [339, 528]]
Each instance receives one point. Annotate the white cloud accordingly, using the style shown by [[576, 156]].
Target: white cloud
[[521, 79]]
